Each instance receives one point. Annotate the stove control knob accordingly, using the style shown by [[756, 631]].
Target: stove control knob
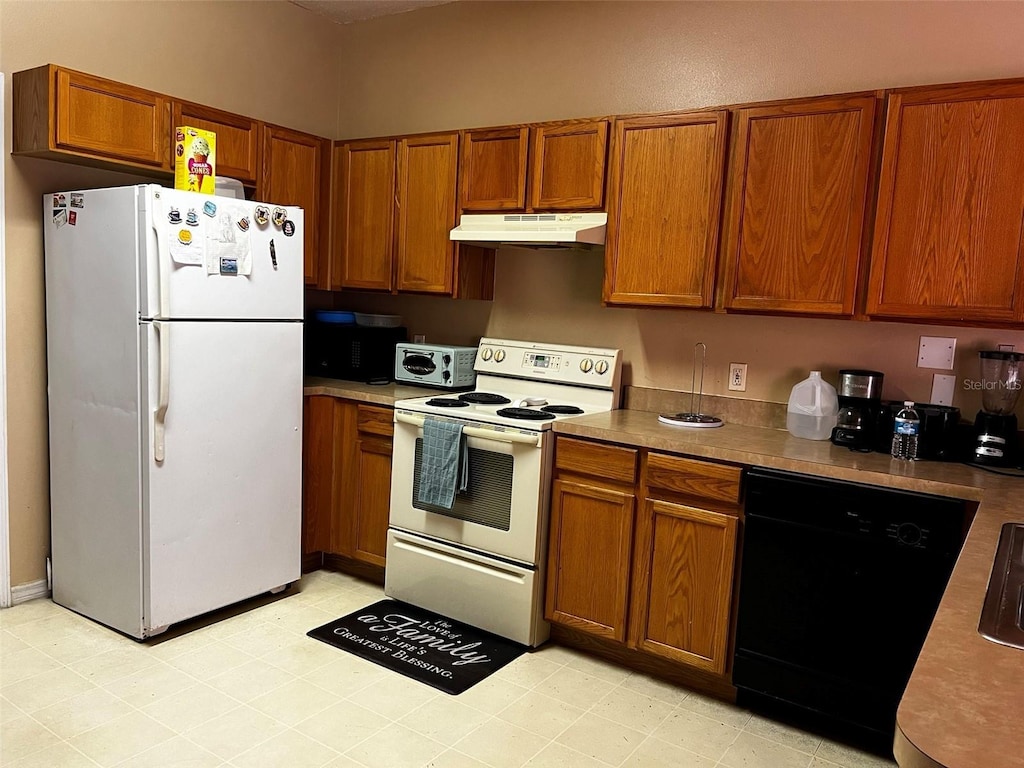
[[586, 364], [486, 354], [499, 355], [601, 367], [447, 360]]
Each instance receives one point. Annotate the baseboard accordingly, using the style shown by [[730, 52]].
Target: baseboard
[[374, 573], [719, 686], [312, 561], [25, 592]]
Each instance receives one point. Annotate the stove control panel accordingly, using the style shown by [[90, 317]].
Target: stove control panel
[[587, 366]]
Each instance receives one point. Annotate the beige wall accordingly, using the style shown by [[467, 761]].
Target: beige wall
[[484, 64], [473, 63], [269, 60]]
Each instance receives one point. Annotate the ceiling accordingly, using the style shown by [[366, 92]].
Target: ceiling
[[348, 11]]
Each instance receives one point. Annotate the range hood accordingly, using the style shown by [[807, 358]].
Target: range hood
[[532, 229]]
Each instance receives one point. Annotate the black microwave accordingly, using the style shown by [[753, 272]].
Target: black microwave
[[354, 352]]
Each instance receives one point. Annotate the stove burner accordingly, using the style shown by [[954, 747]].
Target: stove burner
[[447, 402], [483, 398], [524, 413], [569, 410]]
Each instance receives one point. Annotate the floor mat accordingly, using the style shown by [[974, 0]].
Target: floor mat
[[441, 652]]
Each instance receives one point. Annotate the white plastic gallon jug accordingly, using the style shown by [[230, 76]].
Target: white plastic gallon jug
[[813, 407]]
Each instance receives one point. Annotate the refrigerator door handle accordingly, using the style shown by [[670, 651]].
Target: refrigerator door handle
[[163, 397], [162, 256]]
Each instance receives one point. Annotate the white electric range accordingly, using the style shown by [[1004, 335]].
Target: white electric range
[[482, 561]]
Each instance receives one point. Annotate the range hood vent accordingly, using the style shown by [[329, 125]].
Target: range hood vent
[[532, 229]]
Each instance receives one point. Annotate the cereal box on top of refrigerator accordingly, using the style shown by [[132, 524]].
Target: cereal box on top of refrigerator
[[195, 152]]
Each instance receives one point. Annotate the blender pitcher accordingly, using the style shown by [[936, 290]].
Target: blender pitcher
[[1002, 377]]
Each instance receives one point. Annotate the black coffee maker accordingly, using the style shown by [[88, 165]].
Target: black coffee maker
[[860, 393]]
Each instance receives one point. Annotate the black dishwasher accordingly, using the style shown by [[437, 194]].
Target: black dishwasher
[[839, 584]]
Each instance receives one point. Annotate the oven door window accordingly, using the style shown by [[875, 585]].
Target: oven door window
[[487, 501]]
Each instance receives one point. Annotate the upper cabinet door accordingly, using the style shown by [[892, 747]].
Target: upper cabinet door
[[947, 241], [798, 187], [567, 162], [292, 176], [492, 176], [364, 214], [238, 138], [102, 117], [664, 209], [427, 167]]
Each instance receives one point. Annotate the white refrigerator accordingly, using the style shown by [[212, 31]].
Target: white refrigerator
[[174, 356]]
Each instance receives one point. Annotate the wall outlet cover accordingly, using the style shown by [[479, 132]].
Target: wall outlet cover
[[936, 352], [943, 389], [738, 377]]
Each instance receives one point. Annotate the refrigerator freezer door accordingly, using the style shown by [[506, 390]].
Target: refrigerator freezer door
[[206, 257], [222, 510]]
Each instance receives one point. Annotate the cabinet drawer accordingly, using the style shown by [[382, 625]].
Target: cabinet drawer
[[375, 421], [703, 479], [604, 461]]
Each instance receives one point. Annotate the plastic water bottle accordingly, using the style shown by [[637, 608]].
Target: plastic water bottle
[[813, 407], [905, 431]]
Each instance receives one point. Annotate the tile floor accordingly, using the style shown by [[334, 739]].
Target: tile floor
[[252, 690]]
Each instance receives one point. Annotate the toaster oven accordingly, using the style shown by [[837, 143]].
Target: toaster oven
[[435, 365]]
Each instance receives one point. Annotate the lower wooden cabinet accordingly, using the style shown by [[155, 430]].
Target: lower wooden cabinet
[[318, 416], [346, 478], [646, 558], [589, 551], [370, 496], [683, 583]]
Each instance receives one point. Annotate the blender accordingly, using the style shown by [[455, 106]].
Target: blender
[[995, 427]]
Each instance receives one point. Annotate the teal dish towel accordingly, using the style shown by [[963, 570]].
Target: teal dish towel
[[444, 465]]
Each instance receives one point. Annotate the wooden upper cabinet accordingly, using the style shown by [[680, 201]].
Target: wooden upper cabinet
[[492, 176], [427, 168], [364, 213], [664, 209], [67, 115], [567, 162], [682, 590], [293, 175], [238, 138], [798, 187], [948, 227]]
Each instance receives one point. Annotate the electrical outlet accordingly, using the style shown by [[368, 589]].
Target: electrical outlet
[[738, 377]]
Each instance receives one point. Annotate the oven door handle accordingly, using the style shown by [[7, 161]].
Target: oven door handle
[[483, 434]]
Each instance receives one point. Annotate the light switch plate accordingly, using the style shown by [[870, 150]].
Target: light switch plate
[[943, 389], [936, 352]]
